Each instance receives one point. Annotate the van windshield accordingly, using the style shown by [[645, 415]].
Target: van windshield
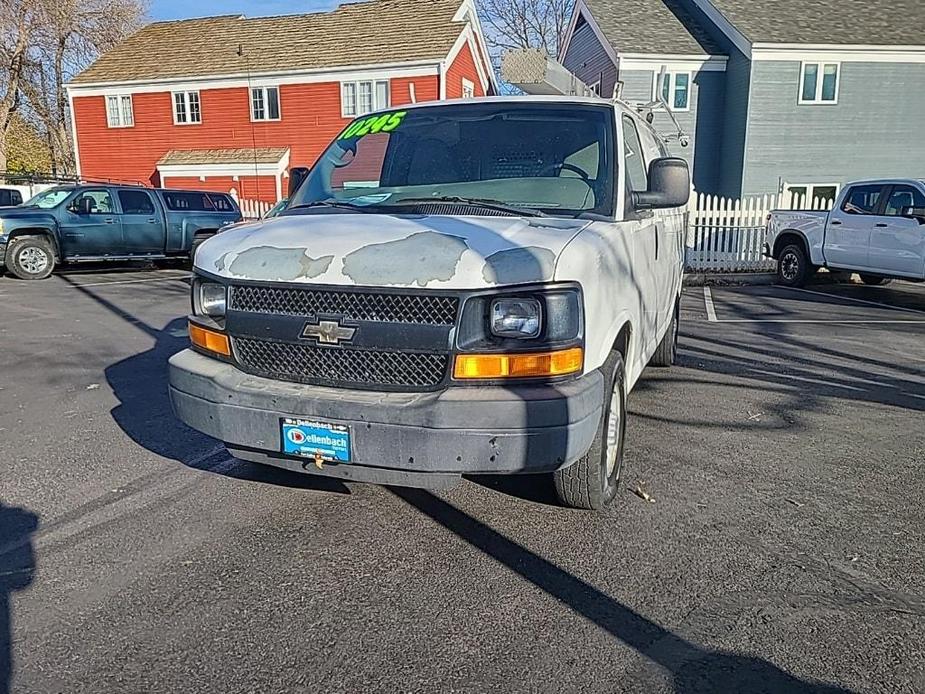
[[49, 198], [550, 157]]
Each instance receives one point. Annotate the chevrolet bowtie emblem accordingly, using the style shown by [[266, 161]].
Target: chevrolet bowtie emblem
[[328, 332]]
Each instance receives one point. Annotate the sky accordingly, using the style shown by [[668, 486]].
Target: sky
[[181, 9]]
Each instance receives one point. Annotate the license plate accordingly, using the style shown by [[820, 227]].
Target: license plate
[[309, 439]]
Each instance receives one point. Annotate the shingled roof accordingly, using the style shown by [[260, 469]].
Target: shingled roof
[[258, 155], [363, 33], [651, 26], [839, 22]]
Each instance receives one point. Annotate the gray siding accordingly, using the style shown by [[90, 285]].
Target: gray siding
[[587, 59], [735, 121], [874, 131], [703, 122]]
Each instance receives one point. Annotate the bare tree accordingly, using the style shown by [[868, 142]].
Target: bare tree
[[18, 20], [525, 24], [62, 38]]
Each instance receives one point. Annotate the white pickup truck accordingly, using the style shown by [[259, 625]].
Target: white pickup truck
[[876, 228], [468, 287]]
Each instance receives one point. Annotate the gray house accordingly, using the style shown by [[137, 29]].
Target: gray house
[[808, 93]]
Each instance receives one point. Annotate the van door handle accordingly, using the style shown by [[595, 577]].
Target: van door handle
[[881, 225], [835, 223]]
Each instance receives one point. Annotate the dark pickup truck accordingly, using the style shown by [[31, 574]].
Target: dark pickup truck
[[77, 223]]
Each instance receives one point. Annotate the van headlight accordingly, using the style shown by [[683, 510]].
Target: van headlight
[[516, 318], [210, 299]]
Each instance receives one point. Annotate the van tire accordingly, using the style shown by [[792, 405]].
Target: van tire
[[667, 352], [30, 257], [874, 280], [593, 480], [793, 266]]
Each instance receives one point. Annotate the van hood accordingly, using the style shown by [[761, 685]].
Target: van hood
[[379, 250]]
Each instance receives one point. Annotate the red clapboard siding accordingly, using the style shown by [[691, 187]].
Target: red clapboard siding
[[463, 67], [311, 117]]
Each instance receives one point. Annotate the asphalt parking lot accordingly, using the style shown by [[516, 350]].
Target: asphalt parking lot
[[782, 548]]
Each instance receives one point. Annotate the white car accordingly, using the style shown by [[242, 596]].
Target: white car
[[876, 228], [455, 288]]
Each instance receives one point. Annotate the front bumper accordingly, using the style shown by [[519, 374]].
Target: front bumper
[[398, 438]]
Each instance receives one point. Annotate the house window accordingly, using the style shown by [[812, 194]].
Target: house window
[[358, 98], [804, 195], [819, 83], [468, 89], [596, 88], [676, 90], [119, 112], [265, 103], [186, 108]]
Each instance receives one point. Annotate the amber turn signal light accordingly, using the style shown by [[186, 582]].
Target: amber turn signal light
[[209, 340], [527, 365]]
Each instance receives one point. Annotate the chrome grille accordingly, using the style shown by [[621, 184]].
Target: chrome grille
[[418, 309], [343, 366]]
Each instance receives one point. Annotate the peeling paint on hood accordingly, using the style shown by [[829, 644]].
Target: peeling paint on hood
[[390, 250]]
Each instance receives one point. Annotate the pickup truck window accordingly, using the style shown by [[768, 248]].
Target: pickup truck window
[[188, 202], [50, 198], [221, 203], [862, 200], [135, 202], [555, 158], [903, 197], [636, 176], [101, 201]]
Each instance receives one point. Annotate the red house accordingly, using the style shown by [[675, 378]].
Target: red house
[[228, 102]]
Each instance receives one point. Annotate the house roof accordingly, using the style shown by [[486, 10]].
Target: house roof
[[655, 27], [362, 33], [840, 22], [259, 155]]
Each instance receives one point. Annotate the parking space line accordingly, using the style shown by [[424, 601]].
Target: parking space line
[[708, 302], [836, 321], [150, 279], [817, 381], [858, 301]]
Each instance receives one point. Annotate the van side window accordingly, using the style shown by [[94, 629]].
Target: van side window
[[862, 200], [636, 177], [903, 197]]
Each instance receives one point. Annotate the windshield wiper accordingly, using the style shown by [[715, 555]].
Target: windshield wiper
[[331, 203], [484, 203]]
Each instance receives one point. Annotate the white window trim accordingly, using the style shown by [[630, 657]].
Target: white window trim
[[266, 108], [596, 87], [173, 105], [821, 65], [119, 98], [811, 187], [356, 96], [673, 76], [468, 85]]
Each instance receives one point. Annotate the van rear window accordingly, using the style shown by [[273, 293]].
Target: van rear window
[[188, 201]]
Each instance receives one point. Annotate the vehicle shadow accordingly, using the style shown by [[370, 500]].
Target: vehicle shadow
[[693, 669], [17, 571], [140, 382]]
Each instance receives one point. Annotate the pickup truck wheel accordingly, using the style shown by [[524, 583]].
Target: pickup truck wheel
[[874, 280], [592, 481], [667, 352], [793, 268], [31, 258]]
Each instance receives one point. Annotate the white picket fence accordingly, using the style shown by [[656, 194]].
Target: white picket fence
[[253, 209], [727, 235]]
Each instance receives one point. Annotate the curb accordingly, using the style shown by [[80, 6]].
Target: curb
[[718, 279]]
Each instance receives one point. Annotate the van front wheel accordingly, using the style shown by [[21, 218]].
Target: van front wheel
[[593, 480]]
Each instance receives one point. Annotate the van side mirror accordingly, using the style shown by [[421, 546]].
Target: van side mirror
[[669, 185], [914, 213], [297, 176]]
